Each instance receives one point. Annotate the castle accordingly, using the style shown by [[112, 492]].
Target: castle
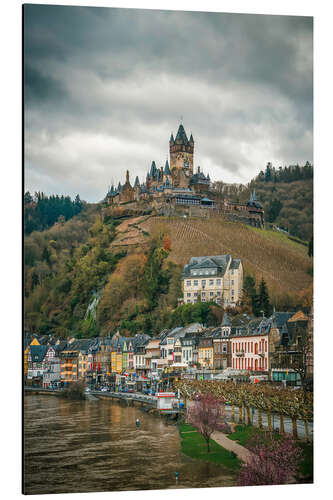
[[176, 190], [174, 184]]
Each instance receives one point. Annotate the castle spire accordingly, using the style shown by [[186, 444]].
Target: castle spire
[[127, 177], [167, 168], [181, 137]]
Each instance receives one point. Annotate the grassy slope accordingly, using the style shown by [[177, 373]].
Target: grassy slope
[[282, 262], [194, 445]]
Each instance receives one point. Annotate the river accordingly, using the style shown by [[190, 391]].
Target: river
[[85, 446]]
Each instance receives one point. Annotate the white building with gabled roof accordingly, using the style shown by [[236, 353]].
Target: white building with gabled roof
[[213, 278]]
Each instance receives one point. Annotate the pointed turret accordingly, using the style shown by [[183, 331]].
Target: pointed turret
[[137, 182], [191, 139], [181, 137], [171, 138], [226, 320], [167, 168], [127, 177], [119, 187], [153, 169]]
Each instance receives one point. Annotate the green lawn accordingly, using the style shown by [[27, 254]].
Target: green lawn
[[194, 446], [243, 434]]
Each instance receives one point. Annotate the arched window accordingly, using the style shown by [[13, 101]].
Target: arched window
[[256, 348]]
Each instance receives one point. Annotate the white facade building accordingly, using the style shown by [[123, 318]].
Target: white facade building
[[217, 278]]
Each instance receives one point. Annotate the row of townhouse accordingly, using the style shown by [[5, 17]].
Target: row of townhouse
[[245, 344]]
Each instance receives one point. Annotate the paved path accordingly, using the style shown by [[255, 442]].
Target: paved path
[[222, 439]]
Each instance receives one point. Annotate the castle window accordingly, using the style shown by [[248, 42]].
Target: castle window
[[195, 282], [218, 293], [218, 282], [188, 295], [211, 282], [188, 283], [211, 294]]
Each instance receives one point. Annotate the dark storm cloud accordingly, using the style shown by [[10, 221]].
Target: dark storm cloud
[[105, 87]]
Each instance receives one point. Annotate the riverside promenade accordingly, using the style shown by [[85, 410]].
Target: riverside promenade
[[151, 402]]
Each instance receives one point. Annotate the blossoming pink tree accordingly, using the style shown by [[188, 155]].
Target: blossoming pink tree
[[206, 414], [272, 462]]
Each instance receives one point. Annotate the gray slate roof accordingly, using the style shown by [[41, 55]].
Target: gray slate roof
[[181, 135], [211, 261], [38, 352]]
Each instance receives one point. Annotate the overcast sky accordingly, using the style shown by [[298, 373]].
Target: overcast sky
[[104, 89]]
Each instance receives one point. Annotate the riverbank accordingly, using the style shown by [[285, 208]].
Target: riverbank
[[194, 446]]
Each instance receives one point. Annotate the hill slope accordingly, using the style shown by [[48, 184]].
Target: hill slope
[[94, 273], [283, 263]]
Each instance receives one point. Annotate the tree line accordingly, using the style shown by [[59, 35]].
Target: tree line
[[285, 174], [42, 211]]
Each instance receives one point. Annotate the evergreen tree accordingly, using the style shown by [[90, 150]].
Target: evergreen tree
[[249, 294], [274, 208], [268, 172], [261, 301]]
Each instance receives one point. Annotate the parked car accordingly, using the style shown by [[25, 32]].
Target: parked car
[[87, 389], [104, 389]]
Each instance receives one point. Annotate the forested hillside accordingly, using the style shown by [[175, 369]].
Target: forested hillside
[[41, 211], [98, 272], [286, 195]]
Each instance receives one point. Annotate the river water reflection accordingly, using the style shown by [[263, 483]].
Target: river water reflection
[[84, 446]]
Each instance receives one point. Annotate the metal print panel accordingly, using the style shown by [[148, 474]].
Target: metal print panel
[[168, 249]]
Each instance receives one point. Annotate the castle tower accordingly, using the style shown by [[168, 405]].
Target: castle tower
[[181, 153]]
